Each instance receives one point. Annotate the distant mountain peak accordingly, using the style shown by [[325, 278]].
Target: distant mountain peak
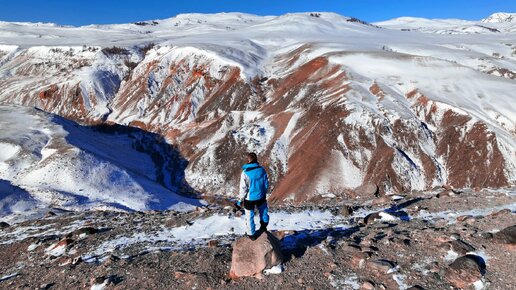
[[500, 17]]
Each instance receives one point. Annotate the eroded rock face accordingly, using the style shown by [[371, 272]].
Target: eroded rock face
[[312, 123], [250, 258]]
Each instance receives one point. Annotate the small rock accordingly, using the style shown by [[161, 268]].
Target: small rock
[[45, 286], [380, 266], [466, 219], [416, 287], [502, 212], [371, 218], [379, 216], [346, 211], [455, 236], [85, 231], [77, 260], [367, 285], [183, 275], [368, 189], [485, 235], [213, 243], [445, 193], [99, 282], [4, 225], [381, 200], [506, 237], [358, 259], [280, 235], [50, 214], [464, 271], [460, 247], [57, 248], [110, 260], [352, 248]]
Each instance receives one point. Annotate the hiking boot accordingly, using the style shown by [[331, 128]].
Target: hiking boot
[[263, 227]]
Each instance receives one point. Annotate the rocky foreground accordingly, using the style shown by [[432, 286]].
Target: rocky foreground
[[433, 240]]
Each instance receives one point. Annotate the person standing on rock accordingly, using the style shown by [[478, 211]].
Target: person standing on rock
[[254, 184]]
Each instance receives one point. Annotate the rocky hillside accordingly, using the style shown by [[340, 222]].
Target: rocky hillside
[[333, 106], [436, 240]]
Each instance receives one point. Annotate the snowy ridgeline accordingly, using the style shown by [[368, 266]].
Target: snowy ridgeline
[[47, 161]]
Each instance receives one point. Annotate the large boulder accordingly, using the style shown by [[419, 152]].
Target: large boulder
[[465, 271], [250, 258]]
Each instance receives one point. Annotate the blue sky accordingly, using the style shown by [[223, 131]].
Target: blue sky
[[81, 12]]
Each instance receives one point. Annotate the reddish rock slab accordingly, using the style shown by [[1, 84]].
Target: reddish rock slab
[[464, 271], [250, 258]]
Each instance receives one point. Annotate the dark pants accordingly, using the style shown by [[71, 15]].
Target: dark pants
[[263, 211]]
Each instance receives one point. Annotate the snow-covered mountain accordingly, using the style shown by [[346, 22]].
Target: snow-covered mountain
[[500, 17], [495, 23], [47, 161], [331, 104]]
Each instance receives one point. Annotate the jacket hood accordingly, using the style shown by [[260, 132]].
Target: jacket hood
[[249, 165]]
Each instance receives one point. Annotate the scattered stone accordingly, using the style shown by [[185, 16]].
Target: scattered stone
[[381, 200], [372, 217], [446, 193], [50, 214], [455, 236], [99, 282], [367, 285], [280, 235], [45, 286], [85, 231], [181, 275], [460, 247], [380, 266], [352, 248], [368, 189], [64, 242], [507, 237], [77, 260], [464, 271], [379, 216], [466, 219], [110, 260], [346, 211], [213, 243], [4, 225], [485, 235], [499, 213], [250, 258], [416, 287], [434, 267]]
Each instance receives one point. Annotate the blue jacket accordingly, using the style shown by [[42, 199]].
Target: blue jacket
[[253, 182]]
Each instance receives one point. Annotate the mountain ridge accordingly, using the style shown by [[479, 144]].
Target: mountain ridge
[[352, 104]]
